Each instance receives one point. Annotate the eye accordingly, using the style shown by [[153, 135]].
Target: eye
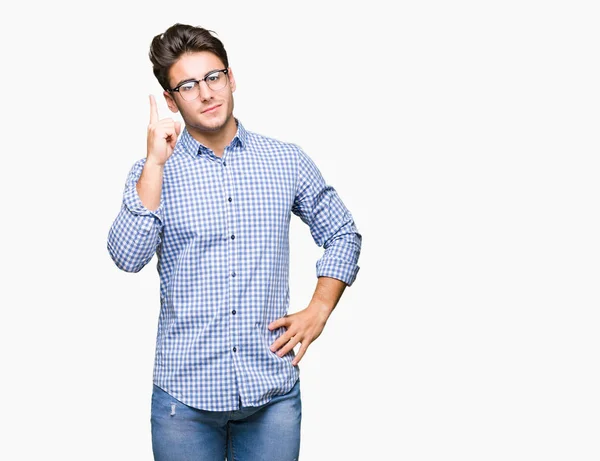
[[187, 87], [213, 77]]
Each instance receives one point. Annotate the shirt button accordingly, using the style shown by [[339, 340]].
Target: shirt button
[[233, 312], [235, 349], [224, 164], [230, 199], [233, 274], [232, 237]]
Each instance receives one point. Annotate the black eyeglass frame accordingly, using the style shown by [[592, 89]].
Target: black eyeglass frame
[[203, 79]]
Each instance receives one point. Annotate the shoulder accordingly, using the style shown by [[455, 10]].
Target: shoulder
[[268, 145]]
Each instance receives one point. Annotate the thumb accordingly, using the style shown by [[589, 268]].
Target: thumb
[[177, 128]]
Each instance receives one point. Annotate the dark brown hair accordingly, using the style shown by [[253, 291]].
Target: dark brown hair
[[167, 48]]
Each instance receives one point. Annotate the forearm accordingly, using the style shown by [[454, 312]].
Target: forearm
[[136, 232], [327, 294], [149, 186]]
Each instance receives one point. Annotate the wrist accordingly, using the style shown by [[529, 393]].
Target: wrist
[[154, 164], [322, 308]]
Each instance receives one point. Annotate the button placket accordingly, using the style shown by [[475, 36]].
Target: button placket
[[231, 253]]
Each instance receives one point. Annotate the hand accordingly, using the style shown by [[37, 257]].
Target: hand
[[162, 136], [301, 327]]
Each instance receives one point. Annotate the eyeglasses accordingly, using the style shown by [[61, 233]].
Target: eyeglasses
[[190, 90]]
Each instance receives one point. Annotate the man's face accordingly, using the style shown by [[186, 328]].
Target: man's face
[[212, 110]]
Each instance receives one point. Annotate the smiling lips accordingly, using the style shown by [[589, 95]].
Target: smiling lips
[[211, 109]]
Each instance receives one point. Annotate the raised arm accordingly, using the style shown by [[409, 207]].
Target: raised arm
[[135, 234]]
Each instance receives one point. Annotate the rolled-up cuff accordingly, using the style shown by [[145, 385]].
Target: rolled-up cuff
[[337, 269]]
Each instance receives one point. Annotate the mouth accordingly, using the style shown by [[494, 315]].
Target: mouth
[[211, 109]]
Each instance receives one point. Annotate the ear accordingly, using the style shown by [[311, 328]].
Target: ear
[[170, 102], [231, 79]]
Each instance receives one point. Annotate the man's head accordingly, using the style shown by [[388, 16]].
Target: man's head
[[168, 47], [191, 65]]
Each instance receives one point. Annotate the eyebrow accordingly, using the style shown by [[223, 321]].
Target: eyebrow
[[195, 79], [184, 81]]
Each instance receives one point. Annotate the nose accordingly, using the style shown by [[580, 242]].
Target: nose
[[205, 93]]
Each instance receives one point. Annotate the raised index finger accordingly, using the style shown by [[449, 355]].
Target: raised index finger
[[153, 110]]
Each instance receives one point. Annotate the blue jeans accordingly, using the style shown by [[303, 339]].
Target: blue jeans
[[270, 432]]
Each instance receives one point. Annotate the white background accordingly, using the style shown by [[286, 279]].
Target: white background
[[463, 137]]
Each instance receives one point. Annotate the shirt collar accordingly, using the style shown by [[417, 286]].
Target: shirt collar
[[188, 145]]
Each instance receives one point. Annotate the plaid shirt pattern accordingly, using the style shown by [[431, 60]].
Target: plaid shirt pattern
[[221, 237]]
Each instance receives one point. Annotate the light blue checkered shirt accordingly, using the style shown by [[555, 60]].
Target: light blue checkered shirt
[[221, 236]]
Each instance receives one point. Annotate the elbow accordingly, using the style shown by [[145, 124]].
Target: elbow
[[123, 262], [350, 239], [131, 268]]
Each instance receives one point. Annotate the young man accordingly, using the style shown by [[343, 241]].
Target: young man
[[213, 201]]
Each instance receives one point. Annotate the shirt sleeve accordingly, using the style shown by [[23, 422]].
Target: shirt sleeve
[[331, 224], [136, 232]]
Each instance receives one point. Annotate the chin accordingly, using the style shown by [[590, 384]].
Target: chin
[[215, 126]]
